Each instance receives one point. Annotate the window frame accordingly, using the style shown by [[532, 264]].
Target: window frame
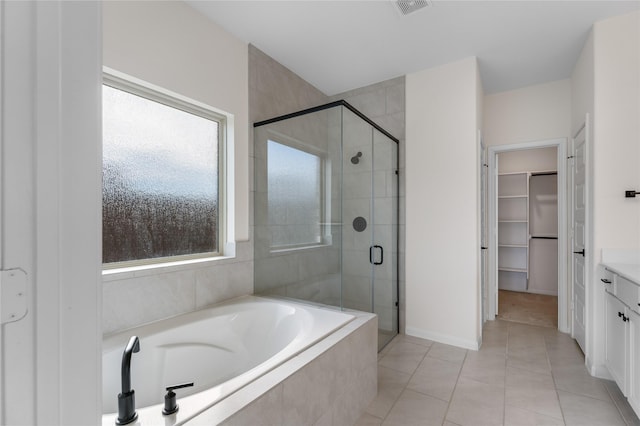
[[137, 87], [325, 185]]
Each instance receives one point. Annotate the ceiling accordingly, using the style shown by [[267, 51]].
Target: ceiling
[[342, 45]]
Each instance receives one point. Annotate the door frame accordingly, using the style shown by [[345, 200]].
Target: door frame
[[492, 283]]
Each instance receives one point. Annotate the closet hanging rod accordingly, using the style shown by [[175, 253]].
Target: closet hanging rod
[[543, 173], [544, 238]]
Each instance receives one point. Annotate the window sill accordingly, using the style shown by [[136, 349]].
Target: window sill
[[160, 268]]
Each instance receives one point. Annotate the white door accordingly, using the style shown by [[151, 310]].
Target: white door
[[578, 243]]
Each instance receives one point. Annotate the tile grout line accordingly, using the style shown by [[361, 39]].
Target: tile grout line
[[506, 364], [404, 388], [453, 391], [615, 402], [553, 378]]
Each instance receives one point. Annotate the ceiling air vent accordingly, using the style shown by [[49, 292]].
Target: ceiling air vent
[[409, 6]]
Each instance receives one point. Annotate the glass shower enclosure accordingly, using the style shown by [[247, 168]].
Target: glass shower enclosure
[[326, 211]]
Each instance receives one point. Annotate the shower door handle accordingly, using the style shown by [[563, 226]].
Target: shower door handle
[[371, 255]]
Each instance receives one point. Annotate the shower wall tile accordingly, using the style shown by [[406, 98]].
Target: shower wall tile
[[277, 271], [395, 99], [275, 90], [371, 103]]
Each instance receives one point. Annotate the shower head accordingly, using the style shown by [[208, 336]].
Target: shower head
[[356, 158]]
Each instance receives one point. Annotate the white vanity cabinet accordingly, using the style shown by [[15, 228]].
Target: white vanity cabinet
[[622, 330], [616, 341], [633, 394]]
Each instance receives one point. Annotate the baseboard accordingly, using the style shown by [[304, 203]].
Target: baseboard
[[444, 338], [600, 371]]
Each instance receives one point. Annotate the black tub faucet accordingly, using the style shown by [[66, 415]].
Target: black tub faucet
[[126, 400]]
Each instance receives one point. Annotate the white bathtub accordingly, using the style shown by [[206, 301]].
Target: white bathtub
[[220, 349]]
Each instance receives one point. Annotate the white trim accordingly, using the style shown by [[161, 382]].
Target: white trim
[[444, 338], [561, 145], [2, 141]]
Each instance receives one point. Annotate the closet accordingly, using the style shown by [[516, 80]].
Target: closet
[[528, 232]]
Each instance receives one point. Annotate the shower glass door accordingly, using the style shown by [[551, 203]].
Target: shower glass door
[[370, 216], [384, 258]]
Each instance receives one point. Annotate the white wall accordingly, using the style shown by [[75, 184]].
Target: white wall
[[615, 149], [171, 45], [528, 160], [442, 279], [528, 114]]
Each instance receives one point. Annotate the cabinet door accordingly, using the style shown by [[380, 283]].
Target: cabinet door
[[616, 341], [634, 362]]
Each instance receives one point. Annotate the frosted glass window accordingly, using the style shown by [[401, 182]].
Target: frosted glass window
[[160, 180], [295, 196]]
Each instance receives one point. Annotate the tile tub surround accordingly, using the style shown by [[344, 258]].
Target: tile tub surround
[[140, 297], [330, 383], [522, 375]]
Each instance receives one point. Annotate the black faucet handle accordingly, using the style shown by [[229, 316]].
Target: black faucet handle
[[180, 386], [170, 405]]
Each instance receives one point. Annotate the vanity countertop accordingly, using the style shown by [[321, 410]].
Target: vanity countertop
[[630, 271]]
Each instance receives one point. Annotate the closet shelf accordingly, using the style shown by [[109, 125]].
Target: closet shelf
[[513, 221], [513, 196], [500, 268], [514, 245]]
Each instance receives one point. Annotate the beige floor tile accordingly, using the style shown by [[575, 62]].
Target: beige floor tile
[[519, 377], [514, 416], [584, 411], [522, 375], [404, 357], [414, 408], [414, 340], [476, 403], [368, 420], [447, 353], [485, 367], [537, 399], [525, 341], [436, 378], [576, 379], [528, 359], [391, 383]]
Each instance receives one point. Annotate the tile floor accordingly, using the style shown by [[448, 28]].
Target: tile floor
[[522, 375]]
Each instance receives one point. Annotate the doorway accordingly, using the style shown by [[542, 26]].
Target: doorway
[[527, 233]]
